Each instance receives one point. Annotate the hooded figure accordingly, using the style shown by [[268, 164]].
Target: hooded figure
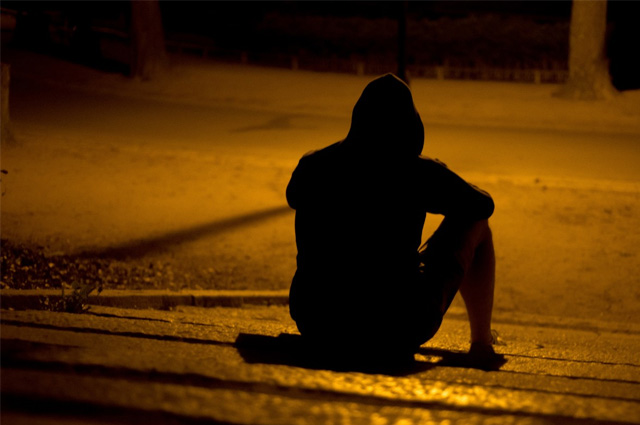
[[385, 121], [360, 208]]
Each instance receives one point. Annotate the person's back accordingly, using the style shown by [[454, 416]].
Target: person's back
[[360, 208]]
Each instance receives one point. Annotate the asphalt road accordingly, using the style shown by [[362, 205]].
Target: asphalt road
[[242, 130], [555, 244], [235, 365]]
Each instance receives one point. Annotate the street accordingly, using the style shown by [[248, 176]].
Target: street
[[185, 179], [112, 171], [243, 130]]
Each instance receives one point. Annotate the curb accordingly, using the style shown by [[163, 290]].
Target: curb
[[146, 299], [39, 299]]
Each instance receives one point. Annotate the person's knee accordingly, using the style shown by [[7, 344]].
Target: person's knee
[[483, 224], [457, 241], [489, 234], [478, 237], [484, 249], [481, 231]]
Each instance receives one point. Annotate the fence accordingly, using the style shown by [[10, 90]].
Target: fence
[[371, 66]]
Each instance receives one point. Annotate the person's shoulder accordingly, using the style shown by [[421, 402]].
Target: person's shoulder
[[321, 155], [432, 166], [428, 162]]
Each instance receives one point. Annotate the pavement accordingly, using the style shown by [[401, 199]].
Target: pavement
[[235, 357], [245, 365]]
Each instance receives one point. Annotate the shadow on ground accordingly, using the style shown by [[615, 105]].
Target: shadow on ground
[[292, 350], [30, 267], [142, 247]]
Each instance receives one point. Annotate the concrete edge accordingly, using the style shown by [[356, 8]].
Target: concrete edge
[[145, 299], [36, 299]]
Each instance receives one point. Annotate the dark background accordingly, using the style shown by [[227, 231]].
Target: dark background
[[500, 34]]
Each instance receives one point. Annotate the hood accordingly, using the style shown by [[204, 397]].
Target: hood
[[385, 120]]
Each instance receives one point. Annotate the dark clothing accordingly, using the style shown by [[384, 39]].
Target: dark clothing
[[360, 209]]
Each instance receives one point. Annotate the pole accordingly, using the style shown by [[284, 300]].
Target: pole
[[402, 41]]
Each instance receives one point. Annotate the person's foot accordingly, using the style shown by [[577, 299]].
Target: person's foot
[[482, 355]]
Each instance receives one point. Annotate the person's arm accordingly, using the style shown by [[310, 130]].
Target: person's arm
[[299, 178], [293, 188], [450, 195]]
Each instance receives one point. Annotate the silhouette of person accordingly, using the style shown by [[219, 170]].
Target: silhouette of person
[[364, 284]]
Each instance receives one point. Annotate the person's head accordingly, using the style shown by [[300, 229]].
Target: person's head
[[385, 120]]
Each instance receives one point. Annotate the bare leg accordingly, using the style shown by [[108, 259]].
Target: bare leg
[[477, 286], [470, 245]]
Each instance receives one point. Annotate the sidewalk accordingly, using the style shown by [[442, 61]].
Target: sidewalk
[[200, 82], [244, 366], [168, 361]]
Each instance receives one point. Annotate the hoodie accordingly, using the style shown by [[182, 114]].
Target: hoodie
[[385, 121], [360, 208]]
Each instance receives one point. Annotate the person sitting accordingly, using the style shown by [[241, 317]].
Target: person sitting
[[363, 279]]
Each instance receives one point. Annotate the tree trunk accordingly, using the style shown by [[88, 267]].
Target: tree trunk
[[5, 123], [149, 56], [589, 77]]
